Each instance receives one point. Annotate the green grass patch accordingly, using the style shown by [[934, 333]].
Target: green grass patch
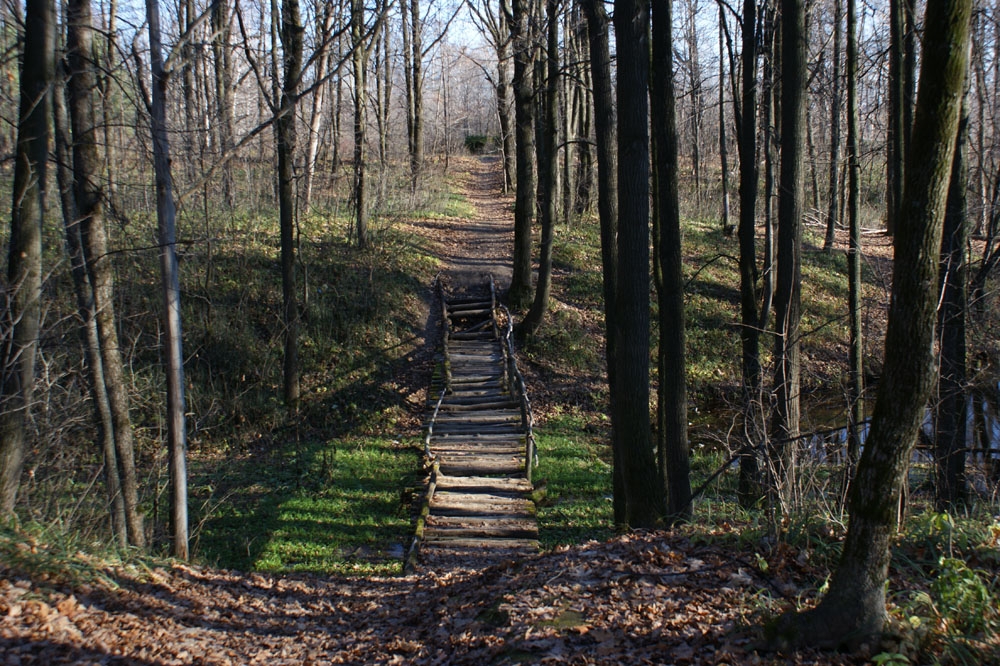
[[573, 461], [326, 507]]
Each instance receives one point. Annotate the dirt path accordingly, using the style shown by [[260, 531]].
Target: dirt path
[[474, 248]]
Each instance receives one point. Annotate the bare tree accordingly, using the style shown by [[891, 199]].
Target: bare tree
[[166, 214]]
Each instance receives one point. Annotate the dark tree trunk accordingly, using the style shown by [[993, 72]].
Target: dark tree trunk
[[672, 447], [644, 497], [607, 211], [22, 291], [854, 608], [524, 202], [751, 373], [548, 167], [788, 285], [291, 41], [952, 406]]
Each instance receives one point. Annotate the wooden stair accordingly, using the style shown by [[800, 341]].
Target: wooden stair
[[478, 503]]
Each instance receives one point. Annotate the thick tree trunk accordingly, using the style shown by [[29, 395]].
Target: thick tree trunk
[[672, 446], [788, 285], [22, 291], [644, 497], [854, 608], [524, 201], [607, 211], [165, 214]]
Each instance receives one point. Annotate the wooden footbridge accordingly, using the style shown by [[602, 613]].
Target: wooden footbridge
[[479, 445]]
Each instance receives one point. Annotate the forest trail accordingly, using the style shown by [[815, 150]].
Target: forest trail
[[471, 249]]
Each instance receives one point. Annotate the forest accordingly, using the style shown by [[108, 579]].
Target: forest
[[750, 251]]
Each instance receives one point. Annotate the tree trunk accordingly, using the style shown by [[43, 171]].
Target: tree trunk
[[856, 389], [316, 112], [694, 79], [672, 446], [548, 167], [831, 210], [223, 92], [503, 99], [165, 214], [524, 201], [644, 497], [854, 608], [769, 112], [607, 210], [291, 42], [789, 273], [360, 62], [90, 209], [750, 326], [952, 411], [723, 149], [895, 156], [416, 44], [22, 309]]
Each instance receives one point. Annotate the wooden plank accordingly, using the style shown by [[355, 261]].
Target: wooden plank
[[481, 543], [480, 527], [496, 486], [488, 403], [439, 437], [474, 506], [466, 448], [482, 468]]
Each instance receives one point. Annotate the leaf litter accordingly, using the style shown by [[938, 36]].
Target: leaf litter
[[641, 598]]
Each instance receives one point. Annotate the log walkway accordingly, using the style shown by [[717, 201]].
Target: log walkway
[[479, 445]]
